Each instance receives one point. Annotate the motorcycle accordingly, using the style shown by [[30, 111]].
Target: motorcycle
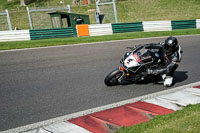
[[134, 66]]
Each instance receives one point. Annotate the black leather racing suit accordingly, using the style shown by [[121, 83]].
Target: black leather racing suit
[[172, 59]]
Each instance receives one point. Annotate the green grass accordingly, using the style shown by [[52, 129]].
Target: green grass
[[183, 121], [77, 40], [127, 10], [145, 10]]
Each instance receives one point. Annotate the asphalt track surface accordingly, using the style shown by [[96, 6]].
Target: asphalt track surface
[[40, 84]]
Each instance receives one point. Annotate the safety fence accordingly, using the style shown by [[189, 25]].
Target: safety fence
[[5, 23], [99, 29], [39, 17]]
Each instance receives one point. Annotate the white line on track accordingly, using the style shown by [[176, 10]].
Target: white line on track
[[101, 108], [69, 45]]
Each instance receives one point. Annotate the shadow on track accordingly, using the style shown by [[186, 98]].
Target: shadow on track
[[179, 76]]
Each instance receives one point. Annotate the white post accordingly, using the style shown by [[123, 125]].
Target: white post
[[8, 19], [29, 18], [115, 11], [68, 8]]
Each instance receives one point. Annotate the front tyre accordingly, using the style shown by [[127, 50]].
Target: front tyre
[[112, 78]]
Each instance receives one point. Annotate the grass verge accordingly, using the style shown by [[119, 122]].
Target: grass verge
[[183, 121], [78, 40], [127, 11]]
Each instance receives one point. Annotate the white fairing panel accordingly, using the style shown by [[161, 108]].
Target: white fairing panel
[[130, 61]]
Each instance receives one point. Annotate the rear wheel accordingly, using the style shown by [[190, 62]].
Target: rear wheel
[[112, 78]]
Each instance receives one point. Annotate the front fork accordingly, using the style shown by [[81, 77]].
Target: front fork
[[125, 74]]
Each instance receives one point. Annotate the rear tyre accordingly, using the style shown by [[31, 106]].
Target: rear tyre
[[112, 78]]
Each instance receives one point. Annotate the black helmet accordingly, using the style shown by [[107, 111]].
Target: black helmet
[[171, 45]]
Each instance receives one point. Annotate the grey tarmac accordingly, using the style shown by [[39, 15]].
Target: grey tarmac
[[41, 84]]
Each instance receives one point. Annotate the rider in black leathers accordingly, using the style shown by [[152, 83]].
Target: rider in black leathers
[[172, 52]]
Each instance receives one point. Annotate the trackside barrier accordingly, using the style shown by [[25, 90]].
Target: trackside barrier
[[198, 23], [100, 29], [183, 24], [127, 27], [149, 26], [82, 30], [18, 35], [51, 33]]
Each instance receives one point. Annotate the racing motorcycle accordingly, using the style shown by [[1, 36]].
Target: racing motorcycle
[[134, 66]]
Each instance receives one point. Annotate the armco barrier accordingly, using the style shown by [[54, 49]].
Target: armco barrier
[[149, 26], [183, 24], [198, 23], [100, 29], [51, 33], [127, 27], [18, 35]]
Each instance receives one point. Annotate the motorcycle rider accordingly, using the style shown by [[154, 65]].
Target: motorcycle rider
[[172, 52]]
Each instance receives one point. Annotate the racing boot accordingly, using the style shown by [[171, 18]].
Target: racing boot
[[168, 81]]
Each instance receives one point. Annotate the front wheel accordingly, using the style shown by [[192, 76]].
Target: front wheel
[[112, 78]]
